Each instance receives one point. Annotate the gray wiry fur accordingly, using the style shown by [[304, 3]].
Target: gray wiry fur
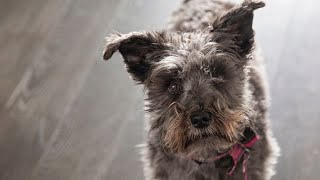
[[205, 61]]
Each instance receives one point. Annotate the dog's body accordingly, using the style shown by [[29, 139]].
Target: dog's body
[[194, 71]]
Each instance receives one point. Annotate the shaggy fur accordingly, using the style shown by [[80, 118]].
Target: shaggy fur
[[205, 62]]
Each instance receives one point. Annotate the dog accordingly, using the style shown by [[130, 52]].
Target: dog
[[206, 94]]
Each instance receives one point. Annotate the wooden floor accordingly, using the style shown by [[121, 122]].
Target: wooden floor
[[66, 114]]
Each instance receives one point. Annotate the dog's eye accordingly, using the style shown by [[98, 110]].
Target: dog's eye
[[174, 88]]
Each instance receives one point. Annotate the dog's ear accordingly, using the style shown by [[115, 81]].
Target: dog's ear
[[139, 51], [237, 23]]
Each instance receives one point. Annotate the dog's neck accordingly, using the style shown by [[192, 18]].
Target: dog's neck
[[238, 153]]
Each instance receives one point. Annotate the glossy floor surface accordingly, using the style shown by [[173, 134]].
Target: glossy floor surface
[[66, 114]]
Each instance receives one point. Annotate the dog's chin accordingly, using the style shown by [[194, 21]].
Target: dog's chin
[[206, 147]]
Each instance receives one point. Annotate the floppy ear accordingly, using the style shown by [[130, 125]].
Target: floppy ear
[[237, 23], [139, 51]]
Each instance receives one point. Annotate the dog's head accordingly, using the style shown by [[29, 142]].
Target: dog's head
[[196, 83]]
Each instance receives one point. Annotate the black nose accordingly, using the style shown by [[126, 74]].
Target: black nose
[[200, 119]]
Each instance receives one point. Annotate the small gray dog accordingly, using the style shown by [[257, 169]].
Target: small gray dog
[[206, 94]]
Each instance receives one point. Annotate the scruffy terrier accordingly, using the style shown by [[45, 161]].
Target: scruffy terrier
[[206, 94]]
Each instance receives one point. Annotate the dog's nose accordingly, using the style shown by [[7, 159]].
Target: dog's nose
[[200, 119]]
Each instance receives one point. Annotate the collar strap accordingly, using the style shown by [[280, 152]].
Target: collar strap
[[241, 151]]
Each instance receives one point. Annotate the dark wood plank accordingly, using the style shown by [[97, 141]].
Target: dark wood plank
[[48, 49]]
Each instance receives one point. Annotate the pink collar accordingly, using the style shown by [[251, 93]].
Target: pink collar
[[239, 151]]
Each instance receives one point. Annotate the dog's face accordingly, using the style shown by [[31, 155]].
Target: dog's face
[[196, 83]]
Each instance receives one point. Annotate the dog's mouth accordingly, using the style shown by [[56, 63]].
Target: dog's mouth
[[207, 137], [200, 138], [206, 146]]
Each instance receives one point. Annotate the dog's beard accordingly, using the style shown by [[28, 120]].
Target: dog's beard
[[179, 137]]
